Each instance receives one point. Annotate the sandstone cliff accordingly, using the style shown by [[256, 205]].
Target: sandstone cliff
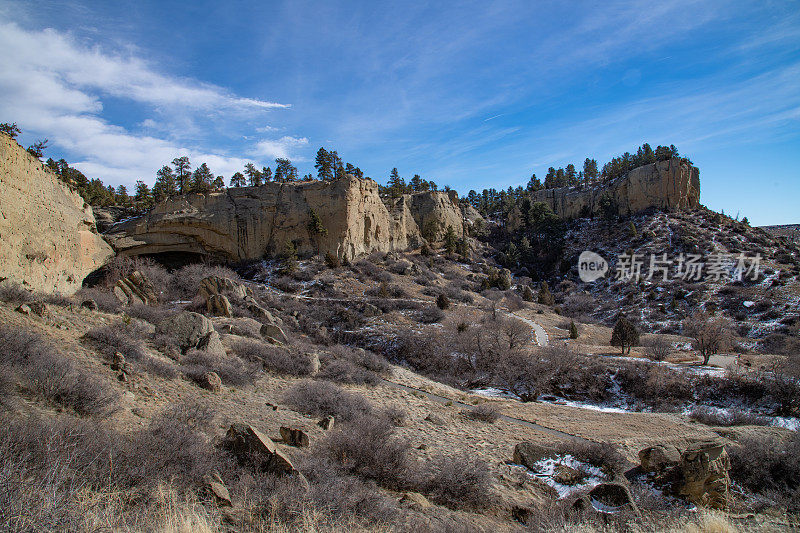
[[671, 184], [48, 240], [251, 222]]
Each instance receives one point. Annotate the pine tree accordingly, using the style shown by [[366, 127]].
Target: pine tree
[[121, 196], [625, 335], [143, 196], [573, 330], [182, 173], [12, 130], [37, 148], [571, 175], [266, 173], [396, 184], [202, 178], [284, 170], [545, 296], [450, 240], [254, 176], [238, 180], [323, 165], [219, 183], [165, 186]]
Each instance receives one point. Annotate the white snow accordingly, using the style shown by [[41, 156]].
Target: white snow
[[748, 303], [545, 469]]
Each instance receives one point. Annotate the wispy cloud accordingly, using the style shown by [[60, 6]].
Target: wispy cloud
[[55, 86], [283, 147]]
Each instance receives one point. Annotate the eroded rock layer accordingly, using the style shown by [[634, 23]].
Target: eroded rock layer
[[48, 240]]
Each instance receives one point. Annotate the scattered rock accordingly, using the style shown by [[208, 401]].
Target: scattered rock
[[294, 437], [314, 363], [118, 362], [273, 332], [435, 419], [90, 304], [704, 469], [566, 475], [135, 289], [23, 309], [218, 490], [38, 308], [612, 497], [249, 444], [217, 285], [658, 458], [211, 343], [219, 305], [186, 328], [415, 500], [327, 422], [370, 310], [528, 453], [211, 381]]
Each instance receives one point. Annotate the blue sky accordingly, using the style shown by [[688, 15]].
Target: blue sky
[[470, 94]]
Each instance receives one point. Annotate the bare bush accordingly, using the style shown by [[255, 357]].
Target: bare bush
[[658, 348], [274, 358], [13, 292], [43, 368], [372, 452], [150, 313], [714, 417], [344, 371], [186, 280], [485, 412], [603, 455], [105, 299], [430, 315], [321, 398], [711, 334], [460, 482], [765, 464], [231, 370]]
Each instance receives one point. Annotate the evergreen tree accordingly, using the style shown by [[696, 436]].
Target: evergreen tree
[[316, 228], [589, 169], [571, 175], [396, 184], [573, 330], [625, 335], [323, 165], [37, 148], [266, 173], [219, 183], [550, 179], [143, 197], [284, 170], [254, 176], [165, 186], [202, 178], [534, 184], [121, 196], [450, 240], [182, 173], [12, 130], [238, 180], [545, 296]]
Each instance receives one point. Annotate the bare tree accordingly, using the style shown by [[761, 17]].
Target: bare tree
[[658, 348], [515, 332], [711, 334]]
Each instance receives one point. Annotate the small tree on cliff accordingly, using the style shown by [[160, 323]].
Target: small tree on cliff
[[450, 240], [625, 335], [238, 180], [315, 228], [12, 130]]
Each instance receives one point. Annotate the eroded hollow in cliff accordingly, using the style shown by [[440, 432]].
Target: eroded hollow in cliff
[[175, 260]]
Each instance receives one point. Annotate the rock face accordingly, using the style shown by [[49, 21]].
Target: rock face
[[135, 289], [248, 445], [704, 468], [48, 240], [671, 184], [251, 222]]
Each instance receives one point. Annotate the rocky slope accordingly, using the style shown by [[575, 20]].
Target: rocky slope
[[48, 240], [672, 184], [251, 222]]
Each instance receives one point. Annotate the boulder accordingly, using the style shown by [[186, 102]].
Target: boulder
[[222, 286], [210, 381], [118, 362], [415, 500], [566, 475], [219, 305], [314, 364], [273, 332], [38, 308], [23, 309], [294, 437], [218, 490], [704, 474], [327, 422], [135, 289], [435, 419], [211, 343], [186, 328], [529, 453], [89, 304], [658, 458], [259, 312], [249, 445], [612, 497], [48, 238]]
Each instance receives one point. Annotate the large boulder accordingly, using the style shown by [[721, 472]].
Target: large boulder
[[219, 305], [186, 328], [218, 285], [659, 457], [211, 343], [249, 445], [135, 289], [529, 453], [273, 331], [704, 474], [48, 239], [294, 437], [612, 497]]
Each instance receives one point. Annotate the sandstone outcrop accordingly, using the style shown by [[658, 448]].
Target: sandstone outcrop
[[252, 222], [48, 240], [671, 184], [135, 289], [248, 444]]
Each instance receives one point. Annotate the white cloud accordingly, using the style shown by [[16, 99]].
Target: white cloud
[[54, 87], [274, 148]]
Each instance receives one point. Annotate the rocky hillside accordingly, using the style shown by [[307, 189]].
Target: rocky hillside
[[250, 222], [48, 240]]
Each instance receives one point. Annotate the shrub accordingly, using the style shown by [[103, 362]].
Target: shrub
[[545, 296], [624, 335], [658, 348], [46, 370], [764, 464], [460, 482], [396, 415], [231, 370], [344, 371], [603, 455], [442, 301], [150, 313], [485, 413], [13, 292], [514, 302], [105, 299], [119, 336], [431, 315], [363, 358], [714, 417], [332, 261], [274, 358], [372, 451], [573, 330], [186, 280], [321, 398]]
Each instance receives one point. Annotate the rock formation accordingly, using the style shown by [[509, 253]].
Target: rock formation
[[671, 184], [251, 222], [48, 240]]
